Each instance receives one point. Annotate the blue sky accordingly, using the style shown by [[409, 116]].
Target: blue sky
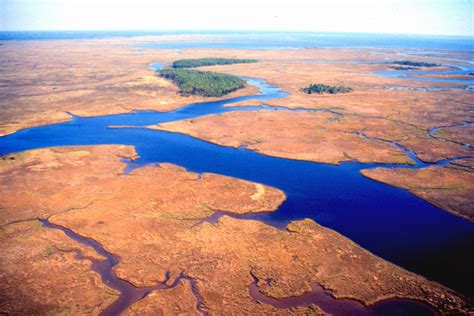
[[445, 17]]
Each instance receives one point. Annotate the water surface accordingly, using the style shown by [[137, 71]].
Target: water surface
[[387, 221], [261, 39]]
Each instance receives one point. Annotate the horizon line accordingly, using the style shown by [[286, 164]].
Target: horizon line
[[232, 30]]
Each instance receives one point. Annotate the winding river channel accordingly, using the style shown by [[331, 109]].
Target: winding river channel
[[390, 222]]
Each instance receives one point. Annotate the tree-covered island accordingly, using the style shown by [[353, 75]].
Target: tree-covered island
[[322, 88], [403, 68], [204, 83], [200, 62], [414, 63]]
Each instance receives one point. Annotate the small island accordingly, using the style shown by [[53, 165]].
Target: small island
[[322, 88], [403, 68], [199, 62], [204, 83], [414, 63]]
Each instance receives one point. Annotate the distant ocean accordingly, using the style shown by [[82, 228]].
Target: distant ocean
[[263, 40]]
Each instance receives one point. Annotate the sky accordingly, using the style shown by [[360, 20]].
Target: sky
[[434, 17]]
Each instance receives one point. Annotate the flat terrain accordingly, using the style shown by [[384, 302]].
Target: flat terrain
[[362, 125], [449, 187], [157, 220], [320, 137], [41, 273], [42, 81], [161, 229], [404, 116]]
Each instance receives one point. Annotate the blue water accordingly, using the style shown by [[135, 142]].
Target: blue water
[[263, 40], [464, 69], [388, 221], [283, 40], [67, 35]]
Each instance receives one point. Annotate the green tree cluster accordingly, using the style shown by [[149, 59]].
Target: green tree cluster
[[205, 83], [403, 68], [414, 63], [322, 88], [190, 63]]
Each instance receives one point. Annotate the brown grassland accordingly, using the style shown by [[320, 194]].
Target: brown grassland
[[155, 218]]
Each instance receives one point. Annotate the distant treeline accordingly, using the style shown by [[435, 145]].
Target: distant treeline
[[403, 68], [322, 88], [190, 63], [414, 63], [205, 83]]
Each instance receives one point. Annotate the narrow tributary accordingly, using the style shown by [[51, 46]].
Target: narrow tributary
[[129, 293]]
